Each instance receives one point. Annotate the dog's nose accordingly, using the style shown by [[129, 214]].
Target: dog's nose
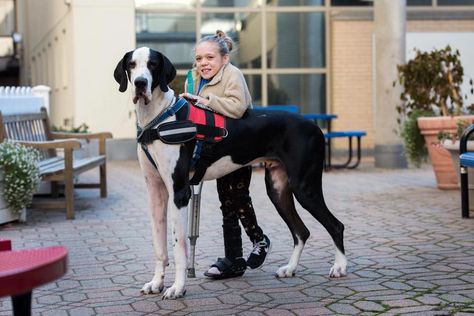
[[140, 82]]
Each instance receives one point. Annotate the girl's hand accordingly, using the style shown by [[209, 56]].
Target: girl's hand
[[194, 98]]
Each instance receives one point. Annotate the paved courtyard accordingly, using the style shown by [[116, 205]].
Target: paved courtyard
[[409, 252]]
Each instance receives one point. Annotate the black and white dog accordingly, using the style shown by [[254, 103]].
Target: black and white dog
[[292, 147]]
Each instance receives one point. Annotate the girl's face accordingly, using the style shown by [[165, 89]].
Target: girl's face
[[208, 59]]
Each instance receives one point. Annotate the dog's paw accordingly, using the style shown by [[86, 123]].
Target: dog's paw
[[338, 270], [174, 292], [152, 287], [285, 272]]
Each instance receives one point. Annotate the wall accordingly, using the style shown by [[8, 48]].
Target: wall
[[104, 30], [352, 69], [351, 95], [73, 47]]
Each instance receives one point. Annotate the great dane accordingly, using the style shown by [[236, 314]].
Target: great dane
[[291, 147]]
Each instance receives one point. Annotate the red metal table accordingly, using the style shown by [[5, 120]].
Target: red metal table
[[23, 270]]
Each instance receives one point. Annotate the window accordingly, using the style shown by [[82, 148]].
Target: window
[[7, 28], [455, 2], [229, 3], [296, 2], [306, 91], [295, 40], [280, 44], [245, 31], [351, 3], [173, 34]]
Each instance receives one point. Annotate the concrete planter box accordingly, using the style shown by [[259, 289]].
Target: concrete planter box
[[6, 215]]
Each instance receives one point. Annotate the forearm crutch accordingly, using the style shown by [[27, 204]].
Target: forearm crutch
[[194, 213]]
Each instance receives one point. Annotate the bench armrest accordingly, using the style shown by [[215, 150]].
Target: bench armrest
[[102, 135], [88, 136], [464, 138], [52, 144]]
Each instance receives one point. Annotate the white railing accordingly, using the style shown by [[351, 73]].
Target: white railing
[[23, 99]]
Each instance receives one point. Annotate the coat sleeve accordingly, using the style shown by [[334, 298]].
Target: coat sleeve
[[235, 100]]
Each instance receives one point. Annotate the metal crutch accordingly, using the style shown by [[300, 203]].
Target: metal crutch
[[194, 213]]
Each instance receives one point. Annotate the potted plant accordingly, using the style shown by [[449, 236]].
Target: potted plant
[[431, 96], [19, 178]]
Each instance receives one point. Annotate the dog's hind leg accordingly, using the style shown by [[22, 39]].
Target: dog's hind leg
[[309, 194], [280, 194]]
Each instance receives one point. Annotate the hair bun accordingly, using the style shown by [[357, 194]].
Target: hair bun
[[229, 42]]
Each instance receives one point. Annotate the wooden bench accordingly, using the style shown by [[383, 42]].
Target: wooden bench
[[57, 163]]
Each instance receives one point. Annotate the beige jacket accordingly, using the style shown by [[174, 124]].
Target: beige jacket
[[227, 92]]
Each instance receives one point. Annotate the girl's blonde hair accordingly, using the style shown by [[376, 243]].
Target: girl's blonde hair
[[224, 42]]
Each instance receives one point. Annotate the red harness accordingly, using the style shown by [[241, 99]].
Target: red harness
[[206, 117]]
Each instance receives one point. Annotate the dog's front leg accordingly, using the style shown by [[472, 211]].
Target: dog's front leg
[[177, 207], [157, 199], [173, 166]]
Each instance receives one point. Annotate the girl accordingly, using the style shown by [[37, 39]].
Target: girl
[[222, 87]]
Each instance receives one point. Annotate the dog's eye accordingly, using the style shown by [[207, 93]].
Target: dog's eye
[[152, 64], [132, 64]]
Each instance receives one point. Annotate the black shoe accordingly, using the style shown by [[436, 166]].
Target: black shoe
[[259, 253], [224, 268]]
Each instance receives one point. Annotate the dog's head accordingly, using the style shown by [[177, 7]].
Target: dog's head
[[146, 69]]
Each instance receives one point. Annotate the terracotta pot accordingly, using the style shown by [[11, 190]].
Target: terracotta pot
[[441, 161]]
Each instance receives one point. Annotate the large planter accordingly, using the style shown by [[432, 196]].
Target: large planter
[[440, 157], [6, 215], [453, 148]]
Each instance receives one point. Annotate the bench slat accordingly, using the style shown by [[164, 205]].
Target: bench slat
[[467, 159], [79, 165]]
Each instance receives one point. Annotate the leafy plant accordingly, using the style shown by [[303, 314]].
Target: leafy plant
[[20, 174], [431, 84], [415, 147], [83, 128]]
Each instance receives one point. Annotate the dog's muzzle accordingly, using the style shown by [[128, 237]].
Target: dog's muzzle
[[141, 84]]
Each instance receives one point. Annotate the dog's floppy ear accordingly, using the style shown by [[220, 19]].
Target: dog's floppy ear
[[120, 73], [164, 74]]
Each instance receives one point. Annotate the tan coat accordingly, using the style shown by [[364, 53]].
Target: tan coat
[[227, 92]]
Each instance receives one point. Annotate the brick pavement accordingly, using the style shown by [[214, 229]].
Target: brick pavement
[[409, 252]]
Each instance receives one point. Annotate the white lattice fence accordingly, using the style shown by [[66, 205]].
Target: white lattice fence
[[23, 99]]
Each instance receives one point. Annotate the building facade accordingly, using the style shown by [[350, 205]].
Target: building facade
[[317, 54]]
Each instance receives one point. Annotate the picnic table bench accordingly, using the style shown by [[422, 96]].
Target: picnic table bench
[[57, 164], [329, 135]]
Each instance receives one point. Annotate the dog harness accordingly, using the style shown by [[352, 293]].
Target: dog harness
[[201, 124]]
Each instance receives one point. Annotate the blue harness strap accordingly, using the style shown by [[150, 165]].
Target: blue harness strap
[[145, 135], [202, 154]]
